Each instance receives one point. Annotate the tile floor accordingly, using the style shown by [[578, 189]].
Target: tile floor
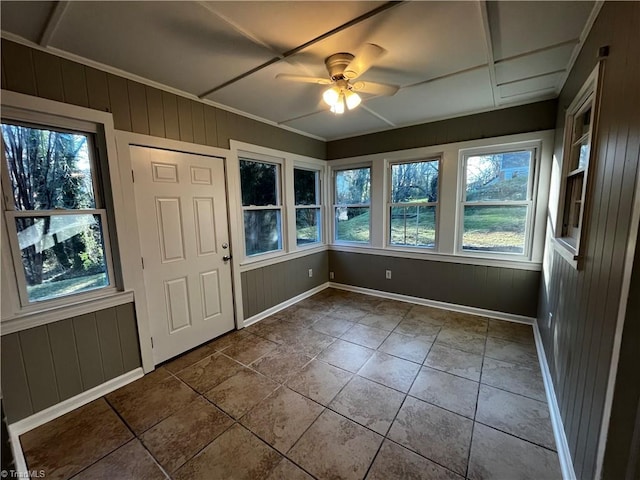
[[339, 386]]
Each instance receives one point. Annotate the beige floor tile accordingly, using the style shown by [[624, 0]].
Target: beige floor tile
[[319, 381], [467, 323], [414, 349], [131, 461], [228, 339], [396, 462], [437, 434], [332, 326], [346, 355], [381, 320], [448, 391], [366, 336], [335, 447], [350, 312], [393, 307], [390, 371], [149, 403], [282, 418], [461, 340], [514, 377], [429, 315], [457, 362], [208, 373], [241, 392], [72, 442], [281, 363], [179, 437], [287, 470], [368, 403], [496, 455], [520, 416], [236, 454], [188, 359], [309, 342], [514, 352], [515, 332], [418, 327], [249, 349]]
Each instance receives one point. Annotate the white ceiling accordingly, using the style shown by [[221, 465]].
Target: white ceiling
[[450, 58]]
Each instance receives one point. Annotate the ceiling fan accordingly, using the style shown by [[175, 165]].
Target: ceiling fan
[[344, 68]]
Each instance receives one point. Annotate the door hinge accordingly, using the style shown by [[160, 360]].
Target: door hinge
[[142, 261], [133, 177], [151, 342]]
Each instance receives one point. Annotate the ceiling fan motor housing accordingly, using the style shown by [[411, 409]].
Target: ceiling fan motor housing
[[336, 64]]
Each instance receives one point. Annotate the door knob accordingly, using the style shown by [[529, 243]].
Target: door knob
[[226, 258], [225, 245]]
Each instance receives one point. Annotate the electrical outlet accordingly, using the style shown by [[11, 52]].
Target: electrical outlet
[[331, 275], [310, 272], [387, 274]]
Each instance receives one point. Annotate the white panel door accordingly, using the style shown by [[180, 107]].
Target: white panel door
[[182, 219]]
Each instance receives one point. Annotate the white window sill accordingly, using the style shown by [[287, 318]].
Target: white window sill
[[252, 263], [440, 257], [35, 318]]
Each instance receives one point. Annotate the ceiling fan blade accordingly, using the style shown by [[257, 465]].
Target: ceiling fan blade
[[303, 79], [378, 89], [363, 60]]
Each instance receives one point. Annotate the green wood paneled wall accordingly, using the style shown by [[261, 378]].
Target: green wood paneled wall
[[492, 288], [579, 308], [140, 108], [45, 365]]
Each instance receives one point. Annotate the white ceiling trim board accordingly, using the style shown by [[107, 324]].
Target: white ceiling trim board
[[378, 116], [52, 23], [573, 41], [136, 78], [490, 57], [546, 74]]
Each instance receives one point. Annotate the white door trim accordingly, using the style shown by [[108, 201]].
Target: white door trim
[[134, 278]]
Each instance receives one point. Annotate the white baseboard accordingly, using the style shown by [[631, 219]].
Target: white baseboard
[[564, 453], [510, 317], [285, 304], [22, 426]]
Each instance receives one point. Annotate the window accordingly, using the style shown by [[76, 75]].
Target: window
[[413, 203], [579, 127], [306, 185], [261, 206], [55, 215], [352, 189], [497, 201]]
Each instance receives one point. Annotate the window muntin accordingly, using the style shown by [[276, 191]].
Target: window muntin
[[413, 203], [261, 206], [306, 185], [497, 201], [579, 149], [57, 225], [352, 199]]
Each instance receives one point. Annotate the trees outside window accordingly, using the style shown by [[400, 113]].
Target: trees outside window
[[413, 203], [352, 201], [54, 211]]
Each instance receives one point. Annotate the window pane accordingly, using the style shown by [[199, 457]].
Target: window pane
[[353, 186], [262, 231], [495, 228], [61, 255], [352, 224], [305, 184], [500, 176], [413, 226], [48, 169], [307, 225], [259, 183], [414, 182]]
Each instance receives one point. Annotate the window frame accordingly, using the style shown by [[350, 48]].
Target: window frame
[[535, 148], [390, 205], [318, 206], [280, 196], [98, 161], [335, 205], [588, 96]]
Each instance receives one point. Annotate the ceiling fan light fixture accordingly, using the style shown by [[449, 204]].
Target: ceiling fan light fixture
[[352, 99], [338, 107], [331, 95]]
